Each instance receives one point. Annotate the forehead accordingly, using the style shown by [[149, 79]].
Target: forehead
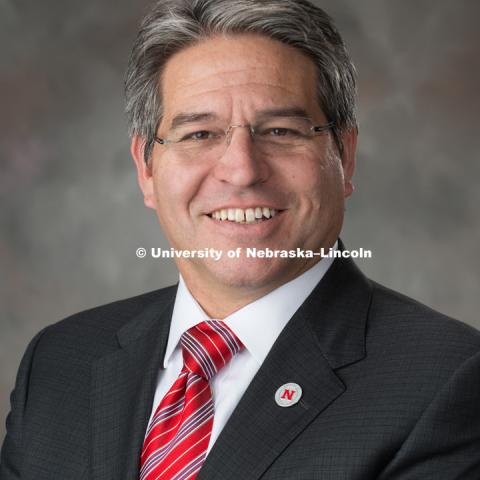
[[227, 71]]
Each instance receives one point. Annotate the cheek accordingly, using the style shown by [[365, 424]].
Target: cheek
[[320, 184], [175, 188]]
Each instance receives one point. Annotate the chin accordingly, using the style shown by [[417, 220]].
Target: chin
[[256, 274]]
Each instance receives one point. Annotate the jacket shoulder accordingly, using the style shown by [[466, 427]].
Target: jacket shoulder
[[94, 330], [410, 326]]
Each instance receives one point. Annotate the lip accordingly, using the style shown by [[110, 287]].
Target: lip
[[247, 231], [244, 207]]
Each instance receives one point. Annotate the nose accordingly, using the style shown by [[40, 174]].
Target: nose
[[241, 165]]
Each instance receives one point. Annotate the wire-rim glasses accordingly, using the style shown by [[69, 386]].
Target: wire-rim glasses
[[272, 136]]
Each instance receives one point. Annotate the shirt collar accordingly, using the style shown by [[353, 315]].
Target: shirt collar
[[257, 324]]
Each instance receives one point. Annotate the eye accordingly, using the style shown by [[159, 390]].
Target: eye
[[198, 135], [280, 132]]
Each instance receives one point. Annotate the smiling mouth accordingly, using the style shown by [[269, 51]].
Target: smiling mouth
[[244, 215]]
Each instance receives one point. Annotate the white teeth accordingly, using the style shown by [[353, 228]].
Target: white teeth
[[250, 215], [240, 215]]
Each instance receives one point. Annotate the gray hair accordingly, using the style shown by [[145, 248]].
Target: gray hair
[[175, 24]]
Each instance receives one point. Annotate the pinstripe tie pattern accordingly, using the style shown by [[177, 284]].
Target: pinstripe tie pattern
[[177, 438]]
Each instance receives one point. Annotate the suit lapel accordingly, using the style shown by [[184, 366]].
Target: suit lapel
[[326, 333], [123, 386], [259, 430]]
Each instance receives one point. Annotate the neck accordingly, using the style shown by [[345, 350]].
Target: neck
[[219, 300], [222, 301]]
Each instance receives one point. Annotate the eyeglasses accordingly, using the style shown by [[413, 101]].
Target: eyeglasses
[[271, 137]]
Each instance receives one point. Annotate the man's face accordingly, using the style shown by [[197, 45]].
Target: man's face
[[235, 80]]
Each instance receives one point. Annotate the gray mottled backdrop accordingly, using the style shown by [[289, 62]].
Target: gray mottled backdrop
[[72, 215]]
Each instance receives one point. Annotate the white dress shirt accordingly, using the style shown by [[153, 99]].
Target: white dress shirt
[[257, 325]]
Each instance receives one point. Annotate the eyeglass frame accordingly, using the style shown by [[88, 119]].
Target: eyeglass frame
[[313, 131]]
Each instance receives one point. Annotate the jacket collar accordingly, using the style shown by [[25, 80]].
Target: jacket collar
[[123, 386], [337, 312]]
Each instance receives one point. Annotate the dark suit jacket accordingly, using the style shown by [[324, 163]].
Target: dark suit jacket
[[391, 390]]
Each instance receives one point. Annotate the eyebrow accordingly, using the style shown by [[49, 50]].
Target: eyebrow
[[283, 112], [185, 118]]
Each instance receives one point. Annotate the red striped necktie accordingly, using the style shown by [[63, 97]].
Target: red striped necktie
[[177, 438]]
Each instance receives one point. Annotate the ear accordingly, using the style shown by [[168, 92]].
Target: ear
[[349, 139], [144, 171]]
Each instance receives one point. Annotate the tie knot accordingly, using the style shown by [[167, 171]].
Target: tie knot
[[208, 347]]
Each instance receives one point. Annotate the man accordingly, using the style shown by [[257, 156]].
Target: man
[[244, 135]]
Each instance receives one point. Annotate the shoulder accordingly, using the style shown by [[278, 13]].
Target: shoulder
[[405, 332], [400, 313], [93, 332]]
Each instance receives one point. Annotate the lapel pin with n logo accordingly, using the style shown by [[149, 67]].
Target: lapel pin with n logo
[[288, 394]]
